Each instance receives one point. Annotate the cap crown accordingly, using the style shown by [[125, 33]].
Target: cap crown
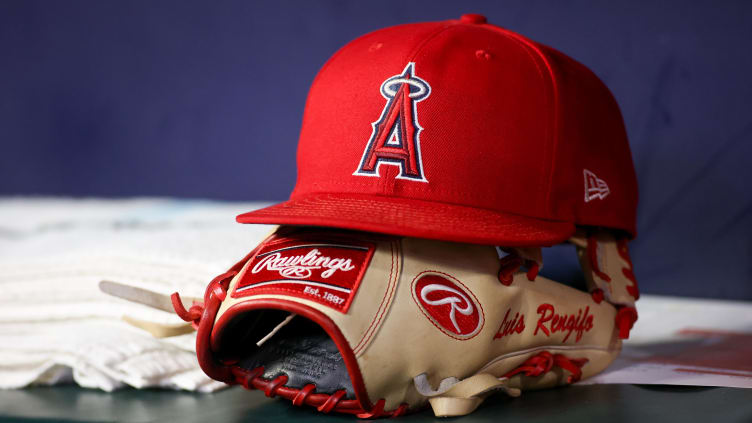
[[468, 114]]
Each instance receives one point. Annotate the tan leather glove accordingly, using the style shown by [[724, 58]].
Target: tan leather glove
[[376, 325]]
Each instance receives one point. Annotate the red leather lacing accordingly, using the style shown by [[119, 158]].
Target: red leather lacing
[[623, 250], [193, 314], [532, 269], [592, 249], [625, 319], [597, 295], [544, 361], [325, 403], [218, 286], [511, 263]]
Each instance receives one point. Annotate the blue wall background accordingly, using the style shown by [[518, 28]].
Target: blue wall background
[[204, 99]]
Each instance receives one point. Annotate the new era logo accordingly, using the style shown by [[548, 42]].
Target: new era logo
[[594, 186]]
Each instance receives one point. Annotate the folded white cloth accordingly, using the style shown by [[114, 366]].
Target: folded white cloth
[[55, 324]]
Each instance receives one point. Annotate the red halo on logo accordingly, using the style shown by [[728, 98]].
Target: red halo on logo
[[448, 304]]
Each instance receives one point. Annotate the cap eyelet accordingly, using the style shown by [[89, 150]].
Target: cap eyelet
[[483, 54]]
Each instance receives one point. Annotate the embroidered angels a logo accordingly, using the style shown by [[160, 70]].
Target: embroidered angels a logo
[[595, 187], [395, 139]]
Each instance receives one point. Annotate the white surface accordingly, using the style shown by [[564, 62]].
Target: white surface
[[55, 325], [682, 341]]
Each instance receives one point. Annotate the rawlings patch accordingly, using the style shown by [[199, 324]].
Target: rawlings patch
[[325, 270], [448, 304]]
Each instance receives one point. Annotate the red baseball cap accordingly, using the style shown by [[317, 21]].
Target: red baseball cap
[[462, 131]]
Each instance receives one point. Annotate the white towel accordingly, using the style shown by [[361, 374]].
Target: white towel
[[55, 324]]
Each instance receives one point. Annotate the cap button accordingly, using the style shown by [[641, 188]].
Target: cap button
[[473, 18]]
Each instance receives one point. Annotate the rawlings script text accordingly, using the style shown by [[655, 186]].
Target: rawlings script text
[[301, 267]]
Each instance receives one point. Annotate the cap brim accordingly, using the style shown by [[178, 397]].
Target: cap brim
[[413, 218]]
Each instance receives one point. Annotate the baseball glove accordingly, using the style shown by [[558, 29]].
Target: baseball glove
[[375, 325]]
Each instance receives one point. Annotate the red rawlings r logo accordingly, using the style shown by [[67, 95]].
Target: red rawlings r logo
[[448, 304], [578, 323]]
